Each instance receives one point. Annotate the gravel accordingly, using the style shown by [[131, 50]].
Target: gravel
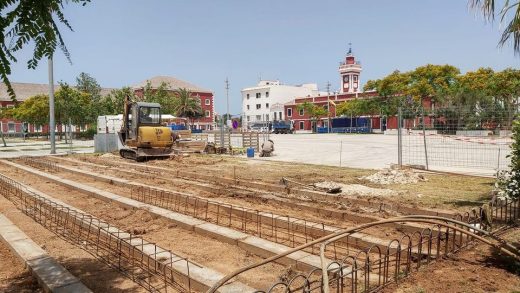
[[395, 176]]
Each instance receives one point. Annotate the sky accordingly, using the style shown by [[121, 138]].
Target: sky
[[123, 42]]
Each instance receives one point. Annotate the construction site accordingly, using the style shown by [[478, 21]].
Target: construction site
[[209, 223]]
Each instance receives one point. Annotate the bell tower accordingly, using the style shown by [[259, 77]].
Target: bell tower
[[349, 72]]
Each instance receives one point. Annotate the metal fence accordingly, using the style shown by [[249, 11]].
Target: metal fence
[[455, 139]]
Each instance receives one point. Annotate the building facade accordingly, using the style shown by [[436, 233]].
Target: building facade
[[349, 72], [302, 121], [204, 96], [264, 102], [26, 90]]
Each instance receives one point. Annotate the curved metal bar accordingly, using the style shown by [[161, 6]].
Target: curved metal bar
[[508, 249]]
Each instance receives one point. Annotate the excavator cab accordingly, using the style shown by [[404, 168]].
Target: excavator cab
[[142, 134]]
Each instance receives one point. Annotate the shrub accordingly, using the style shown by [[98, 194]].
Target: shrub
[[508, 182]]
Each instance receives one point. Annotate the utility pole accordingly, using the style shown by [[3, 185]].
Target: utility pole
[[52, 134], [227, 102], [328, 106]]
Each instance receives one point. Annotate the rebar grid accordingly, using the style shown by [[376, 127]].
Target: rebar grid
[[144, 262], [370, 274], [286, 230], [41, 163]]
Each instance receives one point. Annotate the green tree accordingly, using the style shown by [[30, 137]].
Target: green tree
[[358, 107], [186, 105], [34, 110], [73, 106], [509, 13], [314, 112], [433, 81], [113, 103], [162, 95], [87, 84], [30, 21]]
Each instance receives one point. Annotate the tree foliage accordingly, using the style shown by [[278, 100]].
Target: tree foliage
[[31, 21], [34, 110], [113, 103], [162, 95], [509, 15], [87, 84], [312, 110], [186, 105]]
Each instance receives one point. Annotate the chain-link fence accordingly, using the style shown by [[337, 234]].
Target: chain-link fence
[[455, 139]]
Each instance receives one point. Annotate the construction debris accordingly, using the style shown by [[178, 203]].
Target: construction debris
[[355, 189], [394, 175]]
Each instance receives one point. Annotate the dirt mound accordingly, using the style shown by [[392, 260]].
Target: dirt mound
[[395, 176], [355, 189]]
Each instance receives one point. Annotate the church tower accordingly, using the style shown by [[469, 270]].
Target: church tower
[[349, 72]]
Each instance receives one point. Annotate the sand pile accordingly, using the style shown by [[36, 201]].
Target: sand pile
[[395, 176]]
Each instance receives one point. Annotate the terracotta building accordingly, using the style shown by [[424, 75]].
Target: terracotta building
[[205, 97]]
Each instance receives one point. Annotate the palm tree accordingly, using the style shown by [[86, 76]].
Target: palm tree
[[186, 105], [510, 8]]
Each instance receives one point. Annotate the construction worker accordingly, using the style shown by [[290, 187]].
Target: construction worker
[[267, 148]]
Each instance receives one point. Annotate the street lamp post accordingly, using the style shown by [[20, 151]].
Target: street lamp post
[[52, 134]]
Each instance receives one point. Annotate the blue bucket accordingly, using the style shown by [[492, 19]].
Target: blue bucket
[[250, 152]]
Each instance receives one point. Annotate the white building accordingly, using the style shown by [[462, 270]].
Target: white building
[[265, 101]]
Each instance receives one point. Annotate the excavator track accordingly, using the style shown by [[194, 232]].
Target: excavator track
[[130, 154]]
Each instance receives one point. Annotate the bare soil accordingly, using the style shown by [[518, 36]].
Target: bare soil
[[447, 191], [229, 196], [479, 269], [14, 277]]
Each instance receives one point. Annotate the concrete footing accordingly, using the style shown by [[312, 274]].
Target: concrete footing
[[52, 276]]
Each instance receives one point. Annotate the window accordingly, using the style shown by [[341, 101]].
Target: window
[[266, 117], [10, 106], [267, 105], [326, 107], [258, 106], [280, 115], [208, 113], [301, 125], [274, 115], [208, 102], [258, 117], [258, 95], [247, 96], [301, 112], [247, 107], [355, 78], [267, 94], [38, 128], [289, 112], [149, 115], [248, 118], [11, 127]]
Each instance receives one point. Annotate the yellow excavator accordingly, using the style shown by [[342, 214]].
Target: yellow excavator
[[142, 133]]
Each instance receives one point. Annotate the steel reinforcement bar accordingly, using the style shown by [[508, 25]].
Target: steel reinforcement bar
[[145, 263], [353, 274], [285, 230]]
